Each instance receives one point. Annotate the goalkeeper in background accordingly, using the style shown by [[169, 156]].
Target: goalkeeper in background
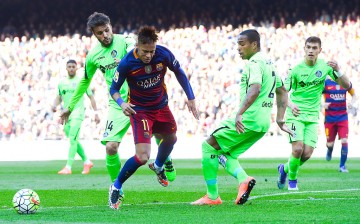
[[66, 89]]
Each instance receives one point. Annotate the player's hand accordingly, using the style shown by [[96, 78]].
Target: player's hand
[[240, 128], [53, 109], [326, 105], [64, 116], [117, 61], [127, 109], [285, 128], [97, 119], [334, 65], [193, 109], [295, 110]]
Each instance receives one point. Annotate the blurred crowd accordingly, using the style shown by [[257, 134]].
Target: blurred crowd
[[38, 18], [31, 68], [37, 38]]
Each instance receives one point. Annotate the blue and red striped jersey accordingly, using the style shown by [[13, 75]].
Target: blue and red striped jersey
[[147, 89], [336, 96]]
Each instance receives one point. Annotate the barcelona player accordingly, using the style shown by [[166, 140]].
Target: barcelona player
[[144, 69], [336, 119]]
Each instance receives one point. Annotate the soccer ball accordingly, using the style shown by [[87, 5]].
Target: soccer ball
[[26, 201]]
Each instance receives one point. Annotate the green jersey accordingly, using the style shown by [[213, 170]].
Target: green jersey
[[259, 70], [103, 58], [306, 84], [66, 89]]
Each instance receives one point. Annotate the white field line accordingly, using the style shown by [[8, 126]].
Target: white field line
[[251, 198]]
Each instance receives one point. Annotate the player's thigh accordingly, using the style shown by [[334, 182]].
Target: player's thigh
[[311, 134], [116, 126], [233, 143], [343, 129], [330, 131], [142, 126], [74, 129], [298, 128], [164, 122]]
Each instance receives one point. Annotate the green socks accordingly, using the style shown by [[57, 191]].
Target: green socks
[[292, 167], [234, 168], [210, 168], [113, 166]]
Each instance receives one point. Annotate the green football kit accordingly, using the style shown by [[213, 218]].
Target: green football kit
[[66, 88], [104, 59], [256, 119], [305, 84]]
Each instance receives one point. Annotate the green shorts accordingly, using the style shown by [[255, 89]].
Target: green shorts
[[72, 129], [233, 143], [117, 124], [304, 131]]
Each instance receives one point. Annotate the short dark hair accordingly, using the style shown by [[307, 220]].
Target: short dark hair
[[313, 39], [252, 35], [147, 34], [97, 19], [71, 61]]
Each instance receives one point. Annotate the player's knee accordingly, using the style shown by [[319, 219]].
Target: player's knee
[[344, 140], [171, 140], [297, 152], [143, 158], [330, 144], [112, 148]]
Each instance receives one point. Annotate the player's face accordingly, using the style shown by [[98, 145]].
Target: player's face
[[71, 69], [104, 34], [245, 48], [146, 51], [312, 50]]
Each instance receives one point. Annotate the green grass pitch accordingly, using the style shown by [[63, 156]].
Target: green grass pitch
[[325, 195]]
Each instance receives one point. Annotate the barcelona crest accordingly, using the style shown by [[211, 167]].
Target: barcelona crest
[[159, 67]]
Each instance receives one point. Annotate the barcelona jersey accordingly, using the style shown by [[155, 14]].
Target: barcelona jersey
[[336, 96], [147, 89]]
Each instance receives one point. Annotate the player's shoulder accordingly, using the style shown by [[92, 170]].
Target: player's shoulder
[[162, 49]]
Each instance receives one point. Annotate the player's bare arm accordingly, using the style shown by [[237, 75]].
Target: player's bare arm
[[251, 95], [93, 105], [294, 108], [57, 101], [281, 103], [126, 107], [193, 108]]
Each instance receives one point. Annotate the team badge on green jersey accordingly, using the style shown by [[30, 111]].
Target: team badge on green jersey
[[318, 73], [114, 53]]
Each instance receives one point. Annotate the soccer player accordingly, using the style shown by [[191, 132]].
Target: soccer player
[[306, 83], [66, 89], [106, 56], [144, 69], [336, 119], [234, 136]]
